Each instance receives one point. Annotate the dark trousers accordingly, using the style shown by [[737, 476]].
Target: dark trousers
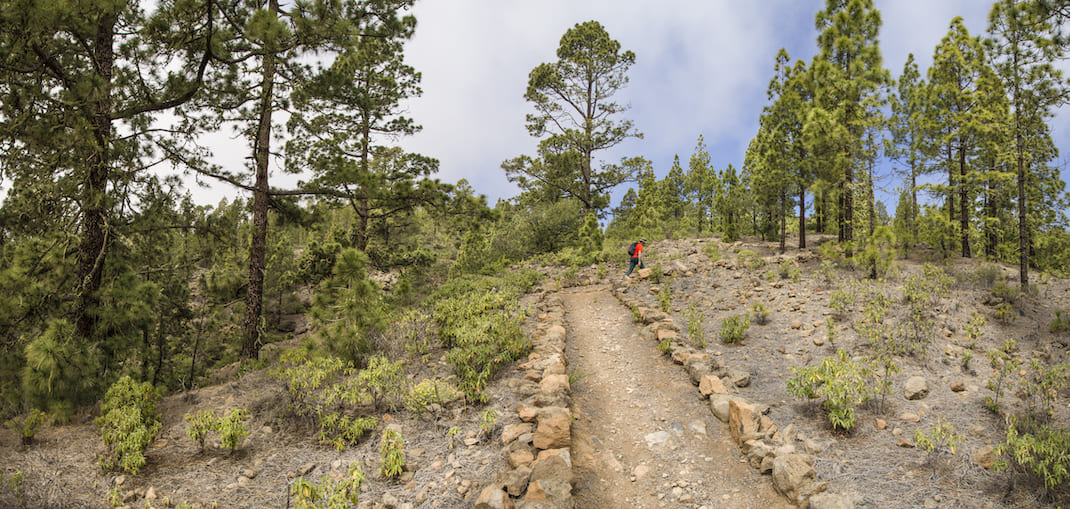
[[632, 263]]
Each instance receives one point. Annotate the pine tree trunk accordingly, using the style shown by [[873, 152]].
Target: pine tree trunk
[[802, 217], [254, 299], [92, 247], [964, 214]]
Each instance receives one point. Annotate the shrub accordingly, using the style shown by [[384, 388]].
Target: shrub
[[129, 423], [232, 428], [665, 297], [841, 302], [789, 269], [841, 381], [339, 430], [488, 421], [749, 259], [878, 253], [734, 328], [713, 251], [26, 426], [1039, 449], [1060, 323], [452, 435], [329, 493], [695, 320], [392, 450], [1006, 314], [975, 325], [761, 313], [1042, 385], [199, 425], [430, 392], [1004, 363], [941, 439]]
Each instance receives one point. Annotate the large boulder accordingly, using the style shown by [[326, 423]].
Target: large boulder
[[493, 497]]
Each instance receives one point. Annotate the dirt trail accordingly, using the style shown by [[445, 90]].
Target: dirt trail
[[642, 436]]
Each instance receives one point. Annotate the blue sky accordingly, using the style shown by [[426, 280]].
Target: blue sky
[[702, 67]]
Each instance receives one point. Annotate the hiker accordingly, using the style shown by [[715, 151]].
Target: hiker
[[636, 252]]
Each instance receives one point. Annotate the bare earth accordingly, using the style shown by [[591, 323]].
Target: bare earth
[[628, 394]]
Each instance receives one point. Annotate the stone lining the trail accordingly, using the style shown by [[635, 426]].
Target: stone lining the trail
[[765, 448], [538, 448]]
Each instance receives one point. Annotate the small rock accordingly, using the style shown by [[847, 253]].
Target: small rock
[[958, 387], [985, 457], [640, 471], [904, 443], [881, 424], [819, 341], [795, 324], [249, 473], [909, 417], [150, 494]]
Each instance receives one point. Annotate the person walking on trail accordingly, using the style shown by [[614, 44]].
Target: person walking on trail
[[636, 252]]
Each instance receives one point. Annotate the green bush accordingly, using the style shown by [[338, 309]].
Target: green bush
[[665, 296], [1004, 363], [430, 392], [734, 328], [26, 426], [339, 430], [488, 421], [841, 302], [760, 313], [329, 493], [1060, 324], [232, 428], [695, 319], [842, 382], [940, 440], [712, 250], [749, 259], [129, 423], [392, 450], [789, 269], [200, 424], [1036, 448]]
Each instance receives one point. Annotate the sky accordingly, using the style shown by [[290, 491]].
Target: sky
[[702, 68]]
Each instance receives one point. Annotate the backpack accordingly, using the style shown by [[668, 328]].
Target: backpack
[[631, 249]]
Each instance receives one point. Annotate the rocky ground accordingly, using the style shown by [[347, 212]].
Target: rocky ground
[[642, 434]]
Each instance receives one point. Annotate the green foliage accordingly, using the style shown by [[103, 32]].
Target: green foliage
[[1040, 449], [789, 269], [347, 308], [17, 488], [430, 392], [26, 426], [329, 493], [695, 319], [200, 424], [975, 325], [1059, 324], [665, 297], [378, 384], [452, 435], [749, 259], [841, 302], [760, 313], [665, 346], [129, 423], [713, 251], [827, 271], [922, 292], [488, 421], [59, 372], [637, 317], [339, 430], [392, 451], [320, 387], [734, 328], [1042, 385], [842, 382], [232, 428], [877, 254], [481, 325], [1005, 314], [1004, 363], [938, 440]]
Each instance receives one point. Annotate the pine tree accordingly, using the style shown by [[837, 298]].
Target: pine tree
[[956, 77], [701, 184], [1021, 36], [573, 100], [908, 143], [847, 73]]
